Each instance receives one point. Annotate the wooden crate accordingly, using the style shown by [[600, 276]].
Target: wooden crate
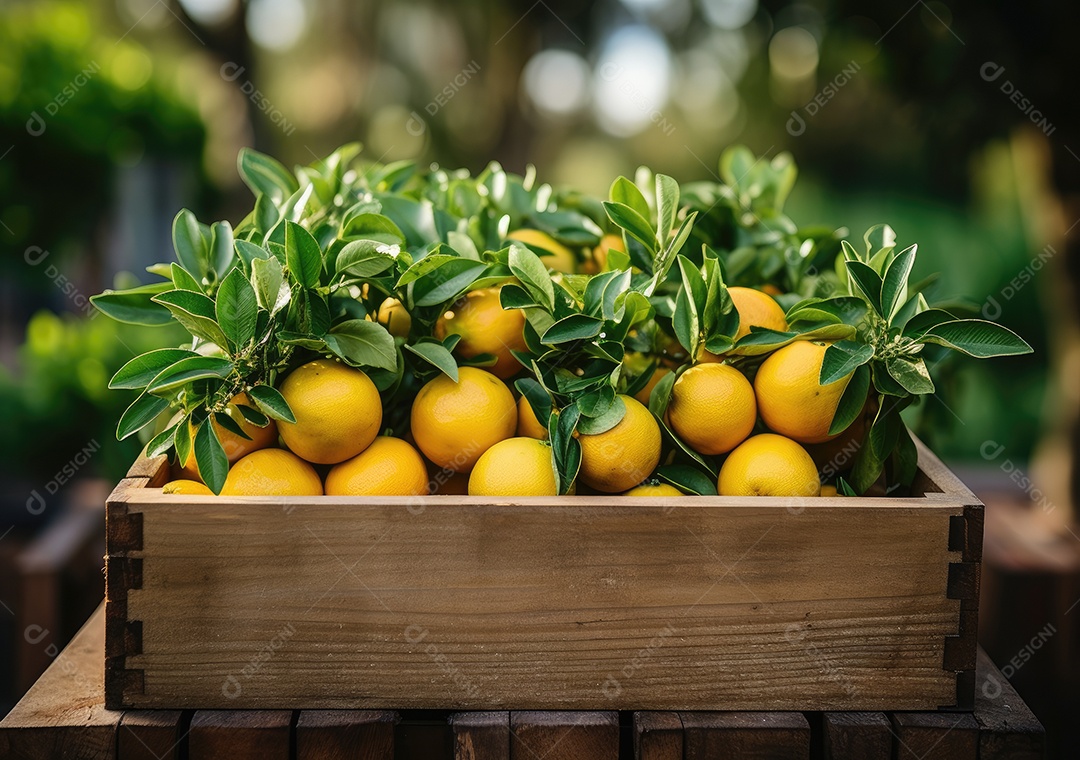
[[576, 603]]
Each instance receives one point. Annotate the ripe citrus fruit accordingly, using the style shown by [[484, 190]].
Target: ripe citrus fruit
[[657, 375], [769, 465], [620, 458], [789, 398], [712, 408], [454, 423], [829, 491], [756, 309], [515, 467], [527, 425], [272, 472], [182, 486], [394, 318], [337, 408], [654, 490], [485, 328], [388, 467], [235, 446], [561, 258]]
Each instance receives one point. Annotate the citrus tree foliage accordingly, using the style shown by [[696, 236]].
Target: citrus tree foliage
[[325, 244]]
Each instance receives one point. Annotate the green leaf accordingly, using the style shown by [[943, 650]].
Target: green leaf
[[634, 223], [687, 478], [302, 255], [362, 344], [140, 371], [895, 286], [516, 297], [237, 309], [866, 282], [574, 327], [602, 423], [253, 415], [919, 324], [249, 253], [661, 395], [566, 449], [689, 303], [182, 439], [448, 282], [270, 401], [365, 258], [667, 206], [221, 251], [533, 274], [161, 442], [141, 413], [905, 458], [195, 312], [841, 359], [226, 421], [268, 281], [851, 401], [210, 457], [265, 175], [976, 337], [437, 356], [191, 244], [536, 397], [911, 374], [188, 370], [183, 279], [373, 227], [135, 306], [627, 193]]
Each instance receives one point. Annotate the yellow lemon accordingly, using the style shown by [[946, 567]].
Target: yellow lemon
[[272, 472], [485, 328], [183, 486], [388, 467], [789, 398], [768, 465], [515, 467], [528, 426], [454, 423], [620, 458], [712, 408], [654, 490], [560, 258], [337, 408]]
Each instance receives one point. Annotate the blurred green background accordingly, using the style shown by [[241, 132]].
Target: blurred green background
[[119, 112]]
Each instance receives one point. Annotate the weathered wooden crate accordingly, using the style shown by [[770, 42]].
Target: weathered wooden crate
[[576, 603]]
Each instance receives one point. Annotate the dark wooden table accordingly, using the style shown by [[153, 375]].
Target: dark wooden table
[[63, 716]]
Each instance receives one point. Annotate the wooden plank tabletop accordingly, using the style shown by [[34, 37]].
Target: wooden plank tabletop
[[63, 716]]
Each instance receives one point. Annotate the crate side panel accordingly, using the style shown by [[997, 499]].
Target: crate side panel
[[557, 607]]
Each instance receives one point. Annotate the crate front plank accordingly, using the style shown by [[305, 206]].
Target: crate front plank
[[63, 715], [240, 735], [152, 735], [340, 603], [746, 735], [481, 735], [563, 735], [658, 736], [345, 735], [857, 736]]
